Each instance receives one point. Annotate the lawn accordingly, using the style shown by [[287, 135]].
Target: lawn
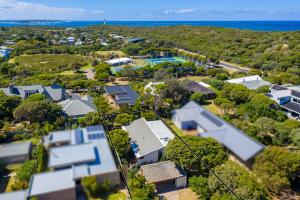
[[174, 127], [194, 78], [210, 106], [117, 196], [67, 73], [89, 66], [12, 170], [107, 53]]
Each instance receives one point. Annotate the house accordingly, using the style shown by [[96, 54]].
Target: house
[[53, 92], [122, 94], [71, 40], [17, 195], [288, 99], [165, 172], [118, 61], [5, 51], [194, 117], [134, 40], [78, 106], [251, 82], [193, 86], [148, 139], [17, 152], [84, 151]]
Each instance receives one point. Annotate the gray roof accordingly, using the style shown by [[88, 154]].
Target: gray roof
[[161, 171], [17, 195], [193, 86], [78, 106], [240, 144], [51, 182], [123, 94], [255, 84], [292, 106], [141, 134], [53, 92], [15, 149]]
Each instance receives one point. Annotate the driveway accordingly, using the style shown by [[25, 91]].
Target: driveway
[[168, 191]]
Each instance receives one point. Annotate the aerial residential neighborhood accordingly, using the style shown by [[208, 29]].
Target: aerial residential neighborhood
[[158, 105]]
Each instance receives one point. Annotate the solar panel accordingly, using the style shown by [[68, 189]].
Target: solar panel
[[94, 128], [211, 118]]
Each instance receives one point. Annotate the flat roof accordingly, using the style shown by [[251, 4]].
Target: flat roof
[[15, 149], [60, 136], [17, 195], [71, 154], [161, 171], [51, 182]]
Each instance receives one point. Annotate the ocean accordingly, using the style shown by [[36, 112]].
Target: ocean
[[244, 25]]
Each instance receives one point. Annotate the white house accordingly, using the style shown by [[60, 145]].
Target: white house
[[119, 61], [148, 139], [251, 82]]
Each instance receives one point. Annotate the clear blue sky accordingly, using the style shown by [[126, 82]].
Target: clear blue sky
[[151, 9]]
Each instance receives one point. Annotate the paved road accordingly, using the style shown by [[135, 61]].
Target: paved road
[[228, 66]]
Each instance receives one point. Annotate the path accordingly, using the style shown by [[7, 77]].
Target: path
[[89, 74]]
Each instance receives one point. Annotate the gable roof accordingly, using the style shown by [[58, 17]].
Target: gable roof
[[232, 138], [78, 106], [142, 135], [251, 82], [193, 86], [123, 94], [162, 171]]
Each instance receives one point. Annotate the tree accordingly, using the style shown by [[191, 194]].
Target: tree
[[138, 187], [265, 125], [200, 186], [198, 98], [37, 111], [26, 170], [7, 105], [149, 115], [207, 149], [295, 136], [93, 188], [92, 118], [277, 168], [120, 140], [124, 118], [244, 184], [41, 158], [103, 106]]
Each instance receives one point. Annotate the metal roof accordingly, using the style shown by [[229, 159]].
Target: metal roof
[[17, 195], [161, 171], [142, 134], [193, 86], [232, 138], [253, 85], [292, 106], [15, 149], [161, 131], [123, 94], [51, 182]]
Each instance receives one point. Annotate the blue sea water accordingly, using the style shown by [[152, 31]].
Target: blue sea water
[[245, 25]]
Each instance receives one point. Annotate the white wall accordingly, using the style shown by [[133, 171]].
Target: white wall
[[180, 182], [152, 157]]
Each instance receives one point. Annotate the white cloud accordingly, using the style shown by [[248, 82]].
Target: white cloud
[[15, 9], [180, 11], [98, 11], [184, 11]]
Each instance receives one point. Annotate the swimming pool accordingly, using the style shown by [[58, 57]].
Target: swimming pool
[[156, 61]]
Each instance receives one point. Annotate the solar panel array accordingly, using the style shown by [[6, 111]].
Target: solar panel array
[[94, 128], [96, 136], [78, 136], [211, 118]]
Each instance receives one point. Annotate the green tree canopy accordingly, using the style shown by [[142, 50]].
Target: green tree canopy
[[124, 118], [120, 141]]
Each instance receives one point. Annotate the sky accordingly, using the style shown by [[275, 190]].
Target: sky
[[164, 10]]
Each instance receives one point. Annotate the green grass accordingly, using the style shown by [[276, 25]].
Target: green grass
[[174, 128], [89, 66], [212, 108], [194, 78], [67, 73]]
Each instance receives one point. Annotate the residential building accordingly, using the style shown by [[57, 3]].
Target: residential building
[[5, 51], [17, 152], [53, 92], [196, 118], [119, 61], [71, 40], [251, 82], [148, 139], [193, 86], [17, 195], [122, 94], [78, 106], [165, 172], [288, 98]]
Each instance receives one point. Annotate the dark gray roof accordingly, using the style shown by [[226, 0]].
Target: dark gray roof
[[123, 94], [292, 106], [53, 92], [240, 144], [278, 87], [15, 149], [161, 171], [295, 93], [193, 86], [142, 134]]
